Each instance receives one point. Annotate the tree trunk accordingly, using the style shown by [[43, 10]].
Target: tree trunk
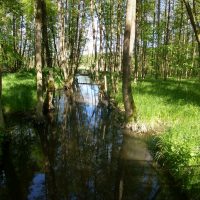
[[94, 62], [45, 36], [118, 46], [167, 39], [153, 42], [136, 50], [158, 40], [195, 25], [100, 39], [62, 52], [55, 55], [129, 39], [38, 57]]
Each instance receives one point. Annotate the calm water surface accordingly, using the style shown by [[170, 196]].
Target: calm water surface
[[79, 153]]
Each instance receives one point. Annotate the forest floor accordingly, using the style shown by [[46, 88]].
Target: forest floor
[[172, 105]]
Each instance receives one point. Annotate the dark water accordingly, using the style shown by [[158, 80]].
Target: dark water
[[79, 153]]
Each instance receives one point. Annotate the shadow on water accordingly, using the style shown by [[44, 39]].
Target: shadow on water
[[78, 153]]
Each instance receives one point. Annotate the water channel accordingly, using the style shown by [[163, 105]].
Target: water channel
[[79, 153]]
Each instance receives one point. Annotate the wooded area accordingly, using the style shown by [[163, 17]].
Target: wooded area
[[120, 44], [167, 42]]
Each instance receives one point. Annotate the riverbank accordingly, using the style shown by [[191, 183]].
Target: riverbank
[[172, 105], [79, 152], [175, 107], [19, 91]]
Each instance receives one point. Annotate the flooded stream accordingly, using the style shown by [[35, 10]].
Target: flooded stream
[[78, 153]]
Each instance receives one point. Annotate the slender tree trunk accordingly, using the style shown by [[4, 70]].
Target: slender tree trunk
[[78, 37], [118, 51], [181, 23], [193, 52], [136, 50], [101, 40], [94, 62], [21, 35], [167, 40], [158, 40], [14, 32], [38, 57], [55, 56], [45, 34], [62, 45], [129, 39], [194, 23], [15, 35], [111, 61], [80, 31], [144, 52], [153, 43], [23, 42]]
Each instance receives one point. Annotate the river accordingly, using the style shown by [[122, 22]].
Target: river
[[78, 153]]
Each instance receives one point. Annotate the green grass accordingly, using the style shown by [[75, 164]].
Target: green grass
[[177, 106], [19, 92]]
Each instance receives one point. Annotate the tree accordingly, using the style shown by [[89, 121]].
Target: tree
[[194, 22], [38, 57], [129, 39], [62, 50], [45, 35], [94, 62], [158, 38]]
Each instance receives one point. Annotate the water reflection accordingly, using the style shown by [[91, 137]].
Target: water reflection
[[37, 188], [139, 178], [16, 167], [76, 154]]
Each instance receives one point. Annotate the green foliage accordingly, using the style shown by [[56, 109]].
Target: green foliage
[[28, 7], [178, 151], [56, 71]]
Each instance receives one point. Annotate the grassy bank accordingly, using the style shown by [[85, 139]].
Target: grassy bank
[[177, 106], [19, 92]]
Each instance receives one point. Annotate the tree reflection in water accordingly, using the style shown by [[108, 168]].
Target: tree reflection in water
[[75, 154]]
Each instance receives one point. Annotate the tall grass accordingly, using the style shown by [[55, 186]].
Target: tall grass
[[19, 92], [176, 105]]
